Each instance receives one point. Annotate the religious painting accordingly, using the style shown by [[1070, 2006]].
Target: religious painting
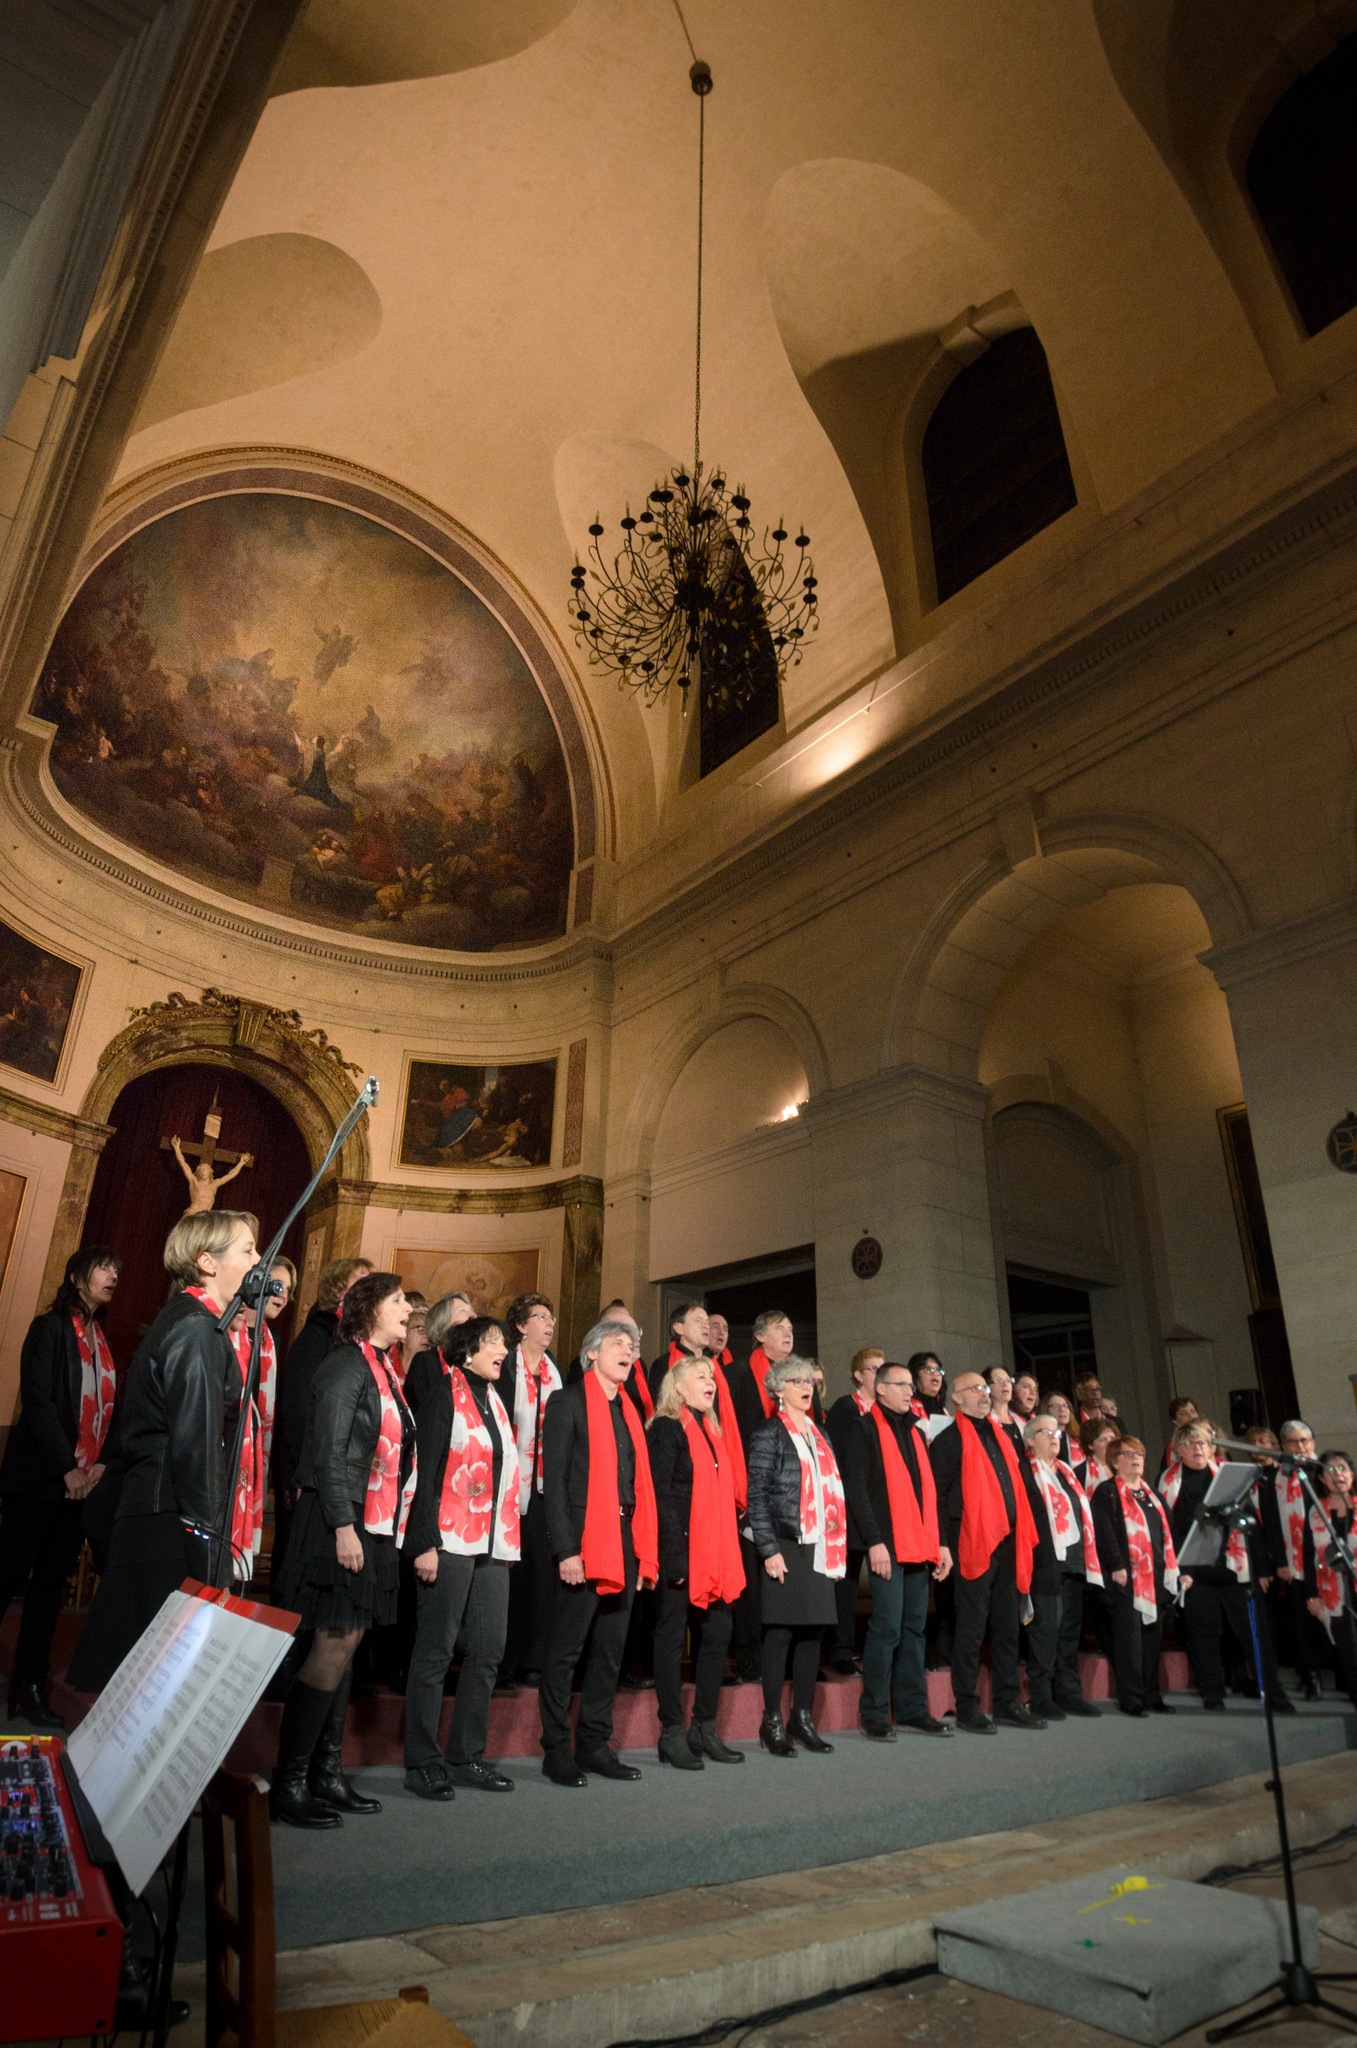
[[12, 1189], [288, 701], [37, 994], [491, 1280], [497, 1116]]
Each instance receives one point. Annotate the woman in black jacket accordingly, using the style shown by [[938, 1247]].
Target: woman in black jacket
[[701, 1574], [799, 1523], [53, 1461], [342, 1571]]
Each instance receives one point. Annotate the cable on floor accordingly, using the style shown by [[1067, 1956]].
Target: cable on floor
[[717, 2031]]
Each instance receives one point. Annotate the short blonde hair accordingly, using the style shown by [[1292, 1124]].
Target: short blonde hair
[[857, 1364], [669, 1400], [210, 1232]]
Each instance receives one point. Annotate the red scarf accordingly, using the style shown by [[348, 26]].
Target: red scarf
[[916, 1407], [758, 1366], [1236, 1550], [984, 1518], [863, 1406], [1328, 1584], [601, 1548], [247, 1513], [387, 1508], [714, 1569], [1063, 1532], [1142, 1554], [824, 1514], [914, 1519], [1291, 1506], [722, 1358], [470, 1520], [98, 1386], [643, 1393], [725, 1409]]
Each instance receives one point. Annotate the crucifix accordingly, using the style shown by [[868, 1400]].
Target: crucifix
[[202, 1184]]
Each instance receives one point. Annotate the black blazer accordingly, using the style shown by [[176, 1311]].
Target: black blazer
[[841, 1427], [864, 1474], [41, 1447], [565, 1467], [346, 1420], [179, 1416], [307, 1353], [1109, 1526]]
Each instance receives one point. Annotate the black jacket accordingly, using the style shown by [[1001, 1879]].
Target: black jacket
[[841, 1425], [671, 1468], [945, 1454], [307, 1353], [1109, 1526], [774, 1488], [41, 1447], [428, 1392], [346, 1420], [864, 1473], [179, 1416], [565, 1467]]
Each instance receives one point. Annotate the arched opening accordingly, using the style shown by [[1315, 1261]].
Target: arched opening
[[139, 1190], [1301, 175], [995, 467]]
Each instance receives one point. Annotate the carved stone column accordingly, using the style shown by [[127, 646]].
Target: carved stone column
[[581, 1261]]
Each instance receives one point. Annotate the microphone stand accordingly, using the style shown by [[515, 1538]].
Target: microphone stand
[[1298, 1986], [254, 1292]]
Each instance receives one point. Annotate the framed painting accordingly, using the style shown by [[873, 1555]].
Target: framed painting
[[37, 995], [499, 1116], [490, 1279]]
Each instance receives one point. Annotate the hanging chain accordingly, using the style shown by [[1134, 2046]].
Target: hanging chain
[[701, 170]]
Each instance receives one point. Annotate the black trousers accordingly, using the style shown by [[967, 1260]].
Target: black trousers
[[40, 1541], [583, 1614], [1135, 1652], [1053, 1637], [532, 1592], [1345, 1653], [992, 1599], [1307, 1634], [710, 1628], [843, 1637], [804, 1644], [747, 1631], [470, 1593], [1211, 1610]]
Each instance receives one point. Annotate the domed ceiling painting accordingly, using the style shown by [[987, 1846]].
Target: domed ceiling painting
[[286, 700]]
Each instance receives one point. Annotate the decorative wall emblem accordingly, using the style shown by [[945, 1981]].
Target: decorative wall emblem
[[867, 1257], [1342, 1144]]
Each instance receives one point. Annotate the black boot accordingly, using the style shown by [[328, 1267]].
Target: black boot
[[773, 1736], [802, 1729], [304, 1715], [325, 1779], [28, 1702], [676, 1750], [703, 1740]]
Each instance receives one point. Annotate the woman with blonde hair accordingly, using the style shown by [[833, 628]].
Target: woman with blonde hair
[[701, 1573], [178, 1422]]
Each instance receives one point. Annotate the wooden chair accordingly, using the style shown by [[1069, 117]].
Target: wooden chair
[[242, 1991]]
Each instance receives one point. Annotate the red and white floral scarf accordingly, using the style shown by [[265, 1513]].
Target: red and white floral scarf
[[1060, 1510], [824, 1516], [536, 1389], [247, 1510], [387, 1508], [1328, 1583], [98, 1387], [1236, 1550], [1141, 1551], [1291, 1508], [470, 1520]]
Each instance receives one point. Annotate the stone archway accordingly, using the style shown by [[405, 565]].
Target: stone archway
[[306, 1073]]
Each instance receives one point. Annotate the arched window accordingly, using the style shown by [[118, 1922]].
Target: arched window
[[994, 461], [1302, 178]]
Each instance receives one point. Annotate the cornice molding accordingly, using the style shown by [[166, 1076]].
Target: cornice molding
[[1283, 947], [897, 1088], [772, 1142], [582, 1190], [46, 1122]]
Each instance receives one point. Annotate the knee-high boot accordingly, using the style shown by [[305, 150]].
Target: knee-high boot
[[326, 1780], [304, 1715]]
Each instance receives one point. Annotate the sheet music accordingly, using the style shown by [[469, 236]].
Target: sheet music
[[164, 1722]]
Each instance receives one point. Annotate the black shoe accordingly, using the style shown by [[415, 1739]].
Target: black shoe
[[1016, 1717], [878, 1731], [1046, 1710], [290, 1800], [803, 1730], [563, 1770], [732, 1678], [749, 1674], [1083, 1709], [773, 1736], [676, 1749], [1280, 1704], [480, 1777], [28, 1702], [843, 1667], [703, 1740], [1311, 1689], [605, 1763], [505, 1685], [1161, 1707], [928, 1724], [974, 1723], [1136, 1713], [1213, 1706], [532, 1678], [428, 1781], [636, 1681], [326, 1782]]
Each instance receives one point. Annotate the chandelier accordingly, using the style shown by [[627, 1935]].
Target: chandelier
[[689, 596]]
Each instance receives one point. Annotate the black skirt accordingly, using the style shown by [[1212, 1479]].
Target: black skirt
[[804, 1599], [315, 1585]]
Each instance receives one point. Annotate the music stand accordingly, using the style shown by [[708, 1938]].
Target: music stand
[[1227, 1507]]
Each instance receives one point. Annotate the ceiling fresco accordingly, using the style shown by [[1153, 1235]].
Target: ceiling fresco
[[285, 700]]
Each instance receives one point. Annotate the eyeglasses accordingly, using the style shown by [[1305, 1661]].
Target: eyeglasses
[[799, 1380]]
